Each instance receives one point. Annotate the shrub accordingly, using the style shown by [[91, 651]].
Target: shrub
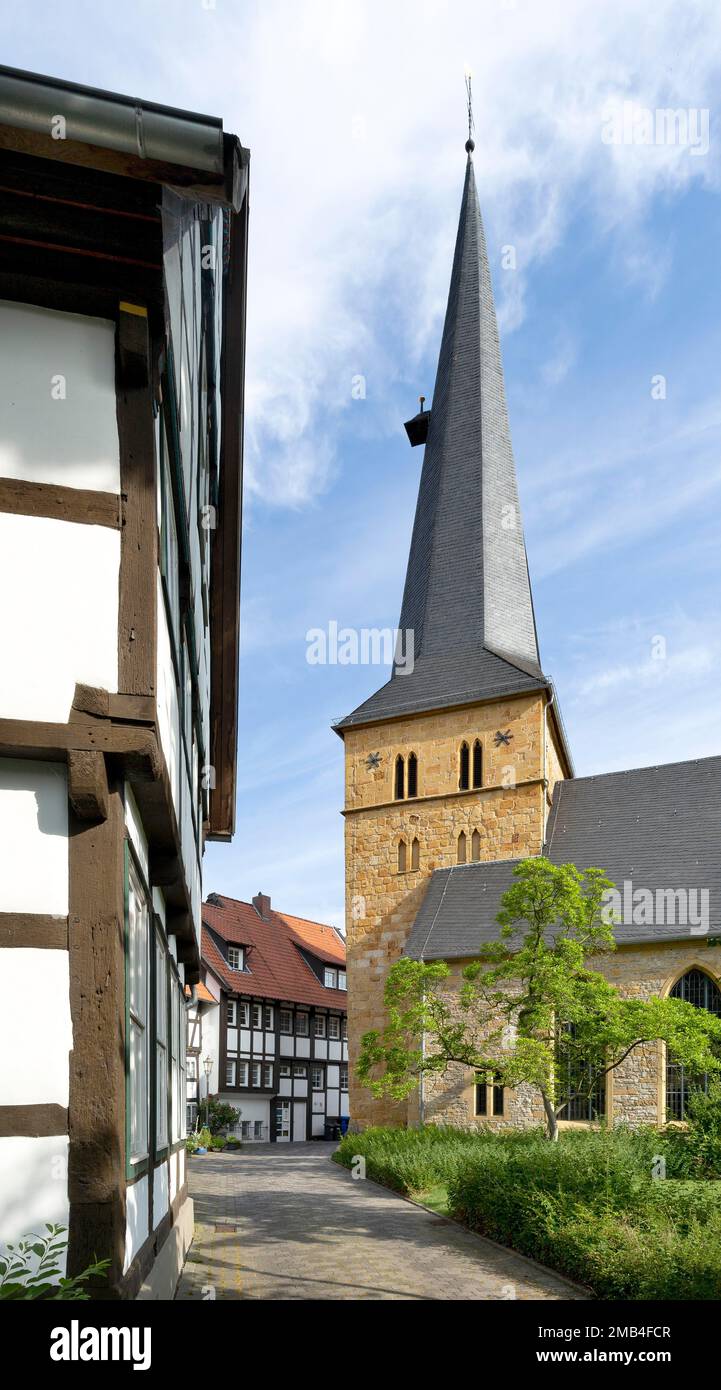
[[220, 1116], [31, 1269]]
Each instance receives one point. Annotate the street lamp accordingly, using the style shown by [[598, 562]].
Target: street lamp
[[207, 1068]]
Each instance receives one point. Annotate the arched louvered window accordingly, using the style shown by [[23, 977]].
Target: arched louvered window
[[415, 855], [402, 855], [462, 847], [475, 847], [697, 988], [399, 784], [412, 775], [477, 764], [464, 768]]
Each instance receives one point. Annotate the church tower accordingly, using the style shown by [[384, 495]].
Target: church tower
[[455, 758]]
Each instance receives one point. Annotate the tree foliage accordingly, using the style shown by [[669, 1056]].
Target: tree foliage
[[530, 1009]]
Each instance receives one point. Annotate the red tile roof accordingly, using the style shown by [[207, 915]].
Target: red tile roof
[[276, 968]]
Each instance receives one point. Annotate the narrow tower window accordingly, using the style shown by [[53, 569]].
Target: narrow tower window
[[401, 856], [412, 775], [463, 781], [399, 792], [477, 763], [462, 847], [475, 846], [415, 855]]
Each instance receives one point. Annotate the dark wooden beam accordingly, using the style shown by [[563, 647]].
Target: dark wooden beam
[[77, 504], [137, 616], [34, 929], [32, 1121], [87, 784]]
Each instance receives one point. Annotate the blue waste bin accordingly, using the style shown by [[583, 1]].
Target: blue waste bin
[[344, 1122]]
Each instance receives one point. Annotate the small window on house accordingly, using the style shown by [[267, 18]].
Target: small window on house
[[399, 784], [301, 1025], [489, 1095], [402, 856], [475, 847], [477, 763], [330, 978], [267, 1073], [412, 775], [286, 1021], [333, 1027], [344, 1029], [319, 1026], [242, 1073], [235, 957], [268, 1016], [230, 1014], [257, 1016], [245, 1129], [342, 979], [257, 1129], [284, 1069], [300, 1072], [344, 1077], [255, 1073], [230, 1073], [415, 855], [244, 1013], [464, 768], [462, 847], [316, 1078]]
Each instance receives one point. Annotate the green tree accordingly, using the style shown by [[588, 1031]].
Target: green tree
[[530, 1009], [221, 1116]]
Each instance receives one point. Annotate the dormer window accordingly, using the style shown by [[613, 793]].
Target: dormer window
[[236, 957], [342, 980], [330, 978]]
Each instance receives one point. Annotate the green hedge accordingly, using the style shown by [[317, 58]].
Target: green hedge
[[589, 1206]]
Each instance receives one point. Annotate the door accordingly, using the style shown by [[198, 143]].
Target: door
[[282, 1121], [299, 1120]]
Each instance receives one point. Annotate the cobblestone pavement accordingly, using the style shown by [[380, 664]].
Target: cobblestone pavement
[[304, 1228]]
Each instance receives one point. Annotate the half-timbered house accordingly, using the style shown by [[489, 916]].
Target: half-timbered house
[[122, 307], [275, 1037]]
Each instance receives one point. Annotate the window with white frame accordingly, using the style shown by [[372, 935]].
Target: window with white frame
[[286, 1021], [319, 1025], [255, 1073], [245, 1129], [344, 1028], [235, 957], [267, 1073], [138, 972], [284, 1069], [344, 1076], [177, 1060], [333, 1026], [301, 1025], [257, 1016], [342, 979], [161, 1044], [244, 1013], [230, 1073], [330, 978], [268, 1016], [317, 1078], [300, 1072], [231, 1013], [257, 1129], [242, 1073], [191, 1068]]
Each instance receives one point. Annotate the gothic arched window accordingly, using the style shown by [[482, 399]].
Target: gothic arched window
[[477, 763], [475, 847], [462, 847], [415, 855], [464, 768], [402, 853], [412, 775], [399, 784], [697, 988]]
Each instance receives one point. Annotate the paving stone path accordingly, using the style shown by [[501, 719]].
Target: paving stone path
[[304, 1228]]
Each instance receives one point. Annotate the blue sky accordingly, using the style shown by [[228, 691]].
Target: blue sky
[[354, 116]]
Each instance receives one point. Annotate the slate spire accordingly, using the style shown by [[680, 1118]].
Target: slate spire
[[467, 598]]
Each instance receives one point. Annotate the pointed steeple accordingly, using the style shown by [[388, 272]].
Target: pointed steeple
[[467, 598]]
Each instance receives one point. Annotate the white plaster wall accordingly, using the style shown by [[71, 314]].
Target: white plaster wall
[[33, 837], [33, 1185], [161, 1200], [136, 1219], [211, 1047], [181, 1165], [71, 441], [173, 1165], [35, 1037], [59, 618]]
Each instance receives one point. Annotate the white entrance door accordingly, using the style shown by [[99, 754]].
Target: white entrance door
[[282, 1121], [299, 1124]]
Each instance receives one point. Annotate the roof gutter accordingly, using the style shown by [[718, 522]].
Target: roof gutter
[[92, 117]]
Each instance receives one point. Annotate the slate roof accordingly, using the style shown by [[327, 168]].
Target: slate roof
[[657, 828], [274, 953], [467, 596]]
